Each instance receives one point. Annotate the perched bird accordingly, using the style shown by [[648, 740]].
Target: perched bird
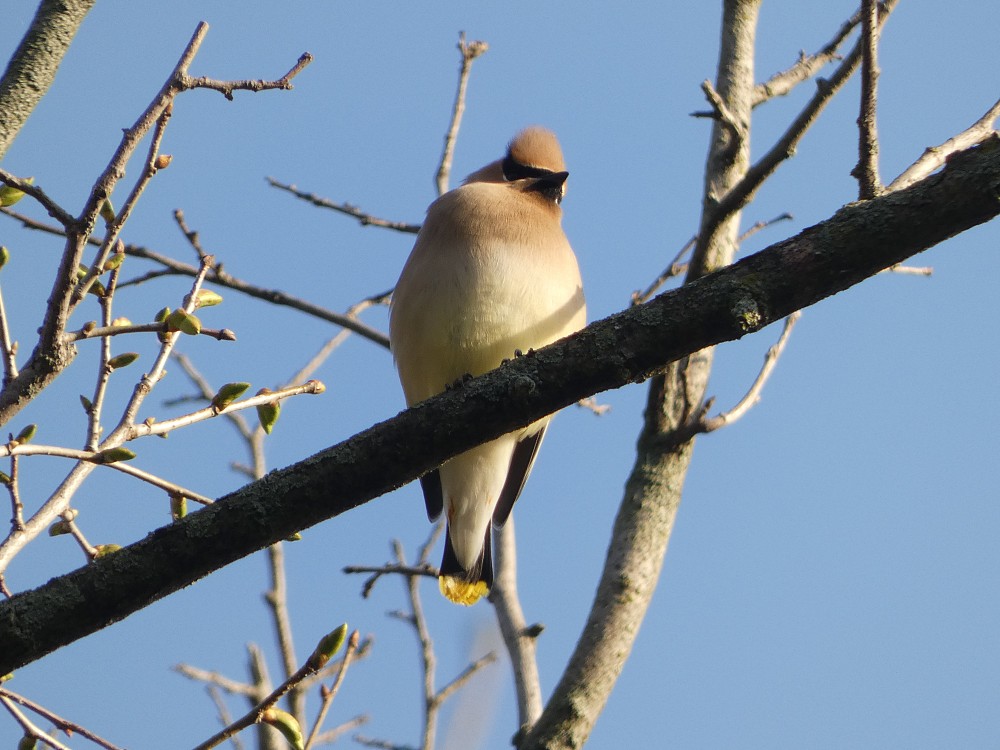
[[491, 274]]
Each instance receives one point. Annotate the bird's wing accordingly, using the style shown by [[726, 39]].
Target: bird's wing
[[433, 495], [521, 462]]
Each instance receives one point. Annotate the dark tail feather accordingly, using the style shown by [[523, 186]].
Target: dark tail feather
[[466, 586]]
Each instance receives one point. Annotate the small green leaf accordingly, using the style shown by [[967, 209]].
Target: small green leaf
[[122, 360], [5, 478], [113, 455], [207, 298], [107, 211], [59, 528], [4, 255], [114, 261], [27, 742], [285, 723], [87, 403], [161, 317], [328, 645], [26, 435], [267, 415], [184, 322], [227, 394], [11, 195]]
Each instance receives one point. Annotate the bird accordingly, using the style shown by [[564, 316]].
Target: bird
[[491, 275]]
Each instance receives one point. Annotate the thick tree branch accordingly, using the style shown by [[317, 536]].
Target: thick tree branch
[[33, 66], [855, 243]]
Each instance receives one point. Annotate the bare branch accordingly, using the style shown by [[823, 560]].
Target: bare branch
[[8, 348], [218, 276], [29, 727], [753, 395], [226, 88], [233, 687], [935, 156], [365, 219], [51, 355], [469, 52], [219, 334], [328, 694], [521, 646], [60, 723], [313, 664], [56, 211], [781, 84], [678, 268], [330, 736], [866, 171], [464, 676], [740, 194]]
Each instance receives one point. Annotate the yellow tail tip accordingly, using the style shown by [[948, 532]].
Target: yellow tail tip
[[462, 592]]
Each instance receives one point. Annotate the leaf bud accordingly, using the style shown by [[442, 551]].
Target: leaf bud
[[227, 394]]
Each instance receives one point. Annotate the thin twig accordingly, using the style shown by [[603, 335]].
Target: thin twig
[[677, 267], [103, 369], [763, 224], [29, 727], [328, 694], [521, 646], [365, 219], [8, 348], [17, 507], [219, 334], [56, 211], [935, 156], [60, 723], [189, 234], [469, 52], [94, 458], [742, 193], [233, 687], [464, 676], [428, 660], [312, 665], [277, 602], [218, 276], [330, 736], [226, 88], [753, 395], [168, 425], [781, 84], [225, 718], [69, 524], [866, 171]]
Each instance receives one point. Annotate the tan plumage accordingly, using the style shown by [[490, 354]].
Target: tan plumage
[[491, 273]]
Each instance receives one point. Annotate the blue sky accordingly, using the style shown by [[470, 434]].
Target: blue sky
[[832, 577]]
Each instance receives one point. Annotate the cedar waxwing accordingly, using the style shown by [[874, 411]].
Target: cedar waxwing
[[491, 274]]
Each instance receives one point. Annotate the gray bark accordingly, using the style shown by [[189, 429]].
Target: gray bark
[[33, 66]]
